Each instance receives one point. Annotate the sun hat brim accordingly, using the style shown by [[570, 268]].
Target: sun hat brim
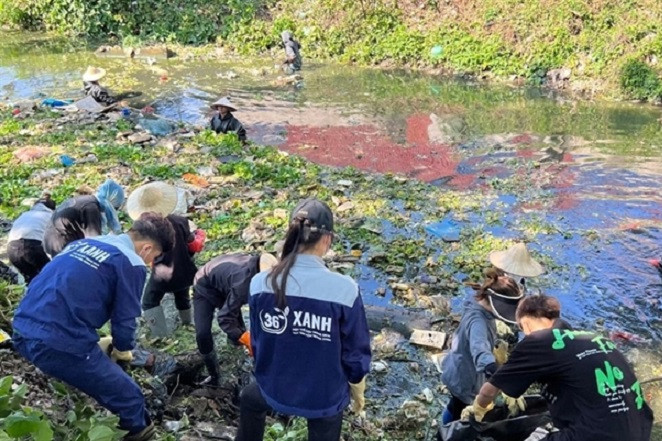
[[157, 197], [267, 261], [94, 74], [523, 267], [223, 102]]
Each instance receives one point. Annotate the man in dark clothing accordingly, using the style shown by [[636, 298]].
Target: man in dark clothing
[[223, 284], [592, 392], [93, 281], [224, 122], [174, 270], [292, 62], [92, 87], [24, 246]]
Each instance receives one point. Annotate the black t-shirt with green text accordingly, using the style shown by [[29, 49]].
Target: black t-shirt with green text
[[592, 392]]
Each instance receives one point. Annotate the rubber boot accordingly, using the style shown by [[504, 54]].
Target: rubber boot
[[156, 322], [144, 435], [211, 361], [185, 316]]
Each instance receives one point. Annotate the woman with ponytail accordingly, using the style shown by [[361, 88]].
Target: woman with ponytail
[[309, 335], [472, 358]]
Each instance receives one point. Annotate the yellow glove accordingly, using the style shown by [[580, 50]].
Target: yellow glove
[[121, 355], [476, 410], [515, 405], [500, 352], [357, 392], [104, 344]]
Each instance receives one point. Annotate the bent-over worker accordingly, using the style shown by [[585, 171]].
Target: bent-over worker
[[92, 87], [91, 282]]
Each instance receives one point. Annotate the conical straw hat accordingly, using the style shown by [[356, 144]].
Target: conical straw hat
[[267, 261], [94, 73], [516, 260], [225, 102], [155, 196]]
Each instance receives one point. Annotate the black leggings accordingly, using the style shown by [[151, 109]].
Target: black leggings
[[28, 256], [254, 412], [152, 297], [203, 316], [455, 407]]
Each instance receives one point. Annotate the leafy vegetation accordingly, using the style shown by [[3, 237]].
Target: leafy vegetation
[[640, 81]]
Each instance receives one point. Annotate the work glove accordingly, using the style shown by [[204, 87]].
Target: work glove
[[500, 352], [245, 340], [357, 392], [476, 410], [515, 405], [106, 345], [198, 242]]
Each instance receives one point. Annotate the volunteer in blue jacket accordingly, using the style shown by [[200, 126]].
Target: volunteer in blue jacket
[[24, 246], [89, 283], [309, 335]]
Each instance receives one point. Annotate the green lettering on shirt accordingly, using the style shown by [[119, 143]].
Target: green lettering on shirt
[[607, 378], [605, 344], [636, 388], [559, 336]]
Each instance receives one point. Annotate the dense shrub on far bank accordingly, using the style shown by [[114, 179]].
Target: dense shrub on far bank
[[189, 22], [640, 81]]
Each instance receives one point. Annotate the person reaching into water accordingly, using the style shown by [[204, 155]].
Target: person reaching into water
[[224, 121], [85, 216], [292, 63], [592, 392], [474, 354], [309, 335]]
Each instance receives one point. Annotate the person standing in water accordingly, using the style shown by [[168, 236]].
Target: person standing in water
[[224, 122], [292, 62]]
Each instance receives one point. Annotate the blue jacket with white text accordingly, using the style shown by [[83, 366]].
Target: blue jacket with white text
[[90, 282], [307, 353]]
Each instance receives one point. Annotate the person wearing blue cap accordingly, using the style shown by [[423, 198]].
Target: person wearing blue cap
[[309, 335], [85, 216]]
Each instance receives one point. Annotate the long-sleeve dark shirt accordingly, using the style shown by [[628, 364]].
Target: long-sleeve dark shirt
[[100, 94], [175, 269], [228, 124], [224, 282]]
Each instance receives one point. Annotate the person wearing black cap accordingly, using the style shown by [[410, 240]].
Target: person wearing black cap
[[309, 335], [592, 391], [474, 354]]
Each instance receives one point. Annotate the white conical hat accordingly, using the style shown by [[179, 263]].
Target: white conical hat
[[155, 196], [94, 73], [516, 260], [225, 102], [267, 261]]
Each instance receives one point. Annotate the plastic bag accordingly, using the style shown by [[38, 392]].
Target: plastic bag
[[497, 427], [158, 127]]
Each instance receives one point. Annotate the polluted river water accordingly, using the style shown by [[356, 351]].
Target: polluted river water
[[578, 180]]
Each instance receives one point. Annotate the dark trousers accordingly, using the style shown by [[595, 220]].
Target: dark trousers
[[203, 316], [455, 407], [152, 297], [28, 256], [254, 412], [94, 374]]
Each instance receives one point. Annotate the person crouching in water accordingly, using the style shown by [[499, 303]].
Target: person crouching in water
[[174, 270], [25, 247], [85, 216], [292, 62], [92, 87], [472, 357], [223, 284], [309, 335], [224, 122]]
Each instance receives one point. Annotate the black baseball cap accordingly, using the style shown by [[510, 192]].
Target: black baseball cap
[[317, 212]]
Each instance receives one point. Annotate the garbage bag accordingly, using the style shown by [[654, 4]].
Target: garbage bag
[[497, 426], [157, 127]]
